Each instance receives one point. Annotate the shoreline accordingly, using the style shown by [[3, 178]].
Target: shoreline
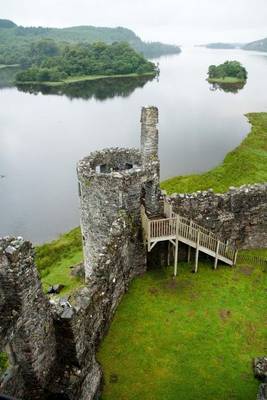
[[244, 165], [76, 79], [226, 80]]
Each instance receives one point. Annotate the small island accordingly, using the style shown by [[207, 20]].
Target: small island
[[230, 72], [62, 64]]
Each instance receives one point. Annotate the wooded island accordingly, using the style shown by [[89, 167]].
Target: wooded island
[[228, 72], [57, 64]]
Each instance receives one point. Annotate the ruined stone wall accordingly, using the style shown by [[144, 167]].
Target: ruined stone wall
[[240, 215], [26, 321], [150, 159], [94, 306], [54, 345]]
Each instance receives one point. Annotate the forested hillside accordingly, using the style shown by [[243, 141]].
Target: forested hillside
[[16, 41]]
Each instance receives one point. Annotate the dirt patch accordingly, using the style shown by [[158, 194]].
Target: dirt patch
[[225, 314], [153, 291], [246, 270], [171, 284], [177, 284]]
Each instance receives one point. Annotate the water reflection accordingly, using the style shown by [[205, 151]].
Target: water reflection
[[228, 87], [101, 89]]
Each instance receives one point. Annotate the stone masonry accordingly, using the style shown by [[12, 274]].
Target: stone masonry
[[26, 321], [239, 215]]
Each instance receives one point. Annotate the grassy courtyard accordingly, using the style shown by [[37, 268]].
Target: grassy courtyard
[[187, 338]]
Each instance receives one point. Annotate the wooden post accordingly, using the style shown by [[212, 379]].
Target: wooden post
[[176, 246], [189, 254], [217, 253], [235, 257], [190, 230], [197, 252], [148, 234]]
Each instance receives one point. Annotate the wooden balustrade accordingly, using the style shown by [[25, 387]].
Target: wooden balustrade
[[176, 228]]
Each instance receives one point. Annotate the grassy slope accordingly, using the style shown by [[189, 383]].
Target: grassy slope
[[55, 259], [83, 78], [245, 164], [189, 338]]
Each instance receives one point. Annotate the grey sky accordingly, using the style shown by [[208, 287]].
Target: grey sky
[[174, 21]]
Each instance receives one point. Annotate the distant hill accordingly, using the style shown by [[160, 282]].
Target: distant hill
[[6, 23], [220, 45], [258, 45], [18, 37]]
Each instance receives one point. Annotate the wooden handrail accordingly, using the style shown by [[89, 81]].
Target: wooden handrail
[[187, 229]]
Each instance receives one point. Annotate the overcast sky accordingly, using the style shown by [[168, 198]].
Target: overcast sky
[[174, 21]]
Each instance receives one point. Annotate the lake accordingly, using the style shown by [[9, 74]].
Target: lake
[[45, 132]]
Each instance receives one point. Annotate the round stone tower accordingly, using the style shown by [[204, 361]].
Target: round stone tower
[[110, 184]]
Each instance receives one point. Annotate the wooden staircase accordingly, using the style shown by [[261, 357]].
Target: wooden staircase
[[175, 229]]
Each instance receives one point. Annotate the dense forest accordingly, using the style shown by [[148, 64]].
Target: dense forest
[[16, 41], [229, 69], [56, 63]]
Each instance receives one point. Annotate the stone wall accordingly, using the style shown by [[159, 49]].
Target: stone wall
[[54, 345], [26, 321], [240, 215]]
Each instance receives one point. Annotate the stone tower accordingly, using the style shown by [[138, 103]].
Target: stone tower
[[111, 184], [150, 158]]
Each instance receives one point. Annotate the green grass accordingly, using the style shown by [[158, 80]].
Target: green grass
[[55, 259], [245, 164], [255, 252], [187, 338], [75, 79], [3, 362], [227, 79]]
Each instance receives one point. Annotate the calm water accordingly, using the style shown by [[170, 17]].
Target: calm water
[[42, 136]]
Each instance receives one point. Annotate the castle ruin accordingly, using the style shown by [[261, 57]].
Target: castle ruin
[[52, 344]]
